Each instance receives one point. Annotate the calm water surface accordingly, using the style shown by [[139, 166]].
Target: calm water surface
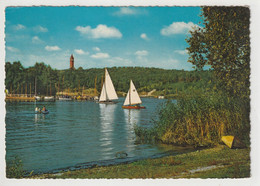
[[76, 132]]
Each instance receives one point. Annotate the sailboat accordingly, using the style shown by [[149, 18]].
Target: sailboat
[[49, 98], [132, 100], [108, 92]]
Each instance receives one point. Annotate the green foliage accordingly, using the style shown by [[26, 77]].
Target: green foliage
[[20, 80], [14, 169], [166, 82], [200, 121], [145, 134], [224, 44]]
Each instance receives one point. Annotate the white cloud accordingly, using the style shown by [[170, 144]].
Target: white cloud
[[119, 61], [96, 49], [174, 61], [129, 11], [101, 31], [144, 36], [125, 11], [181, 52], [177, 28], [12, 49], [36, 40], [40, 29], [19, 27], [80, 52], [52, 48], [141, 53], [100, 55], [178, 64]]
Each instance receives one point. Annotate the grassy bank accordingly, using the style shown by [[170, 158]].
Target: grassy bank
[[217, 162]]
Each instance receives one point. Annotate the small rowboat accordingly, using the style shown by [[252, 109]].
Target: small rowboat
[[45, 112], [42, 112]]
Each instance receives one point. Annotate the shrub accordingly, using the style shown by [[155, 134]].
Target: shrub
[[200, 121], [14, 169]]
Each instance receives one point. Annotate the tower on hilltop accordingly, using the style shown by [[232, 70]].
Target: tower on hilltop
[[71, 62]]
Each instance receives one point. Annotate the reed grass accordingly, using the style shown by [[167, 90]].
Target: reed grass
[[14, 168], [199, 121]]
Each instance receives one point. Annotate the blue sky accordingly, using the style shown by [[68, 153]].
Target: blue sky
[[100, 36]]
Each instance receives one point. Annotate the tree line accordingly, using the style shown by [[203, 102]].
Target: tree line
[[47, 81]]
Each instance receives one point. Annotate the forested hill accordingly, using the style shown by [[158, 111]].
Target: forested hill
[[164, 81]]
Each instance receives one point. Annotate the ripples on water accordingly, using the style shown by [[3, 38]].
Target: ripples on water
[[75, 132]]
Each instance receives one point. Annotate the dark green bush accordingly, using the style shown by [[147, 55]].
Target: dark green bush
[[14, 169]]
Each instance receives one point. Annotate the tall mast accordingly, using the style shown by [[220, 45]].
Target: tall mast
[[59, 86], [30, 89], [105, 76], [107, 99], [95, 90], [62, 85], [35, 86], [130, 93], [79, 86], [101, 81]]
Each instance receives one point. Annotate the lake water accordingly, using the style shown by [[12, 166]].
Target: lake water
[[76, 134]]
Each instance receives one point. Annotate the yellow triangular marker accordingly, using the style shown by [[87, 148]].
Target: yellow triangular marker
[[228, 140]]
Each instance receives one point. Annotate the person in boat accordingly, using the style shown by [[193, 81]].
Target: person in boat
[[43, 108], [37, 109]]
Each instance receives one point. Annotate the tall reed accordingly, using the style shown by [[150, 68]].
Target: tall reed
[[200, 121]]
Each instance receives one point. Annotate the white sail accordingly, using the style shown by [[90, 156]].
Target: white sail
[[127, 99], [108, 91], [132, 97], [103, 95]]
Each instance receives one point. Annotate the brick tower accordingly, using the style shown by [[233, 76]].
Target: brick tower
[[71, 62]]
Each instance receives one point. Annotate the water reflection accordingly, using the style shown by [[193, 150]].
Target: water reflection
[[38, 117], [132, 117], [107, 127]]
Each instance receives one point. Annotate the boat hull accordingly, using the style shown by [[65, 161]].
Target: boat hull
[[38, 98], [45, 112], [49, 98], [132, 107], [42, 112], [107, 102], [65, 99]]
